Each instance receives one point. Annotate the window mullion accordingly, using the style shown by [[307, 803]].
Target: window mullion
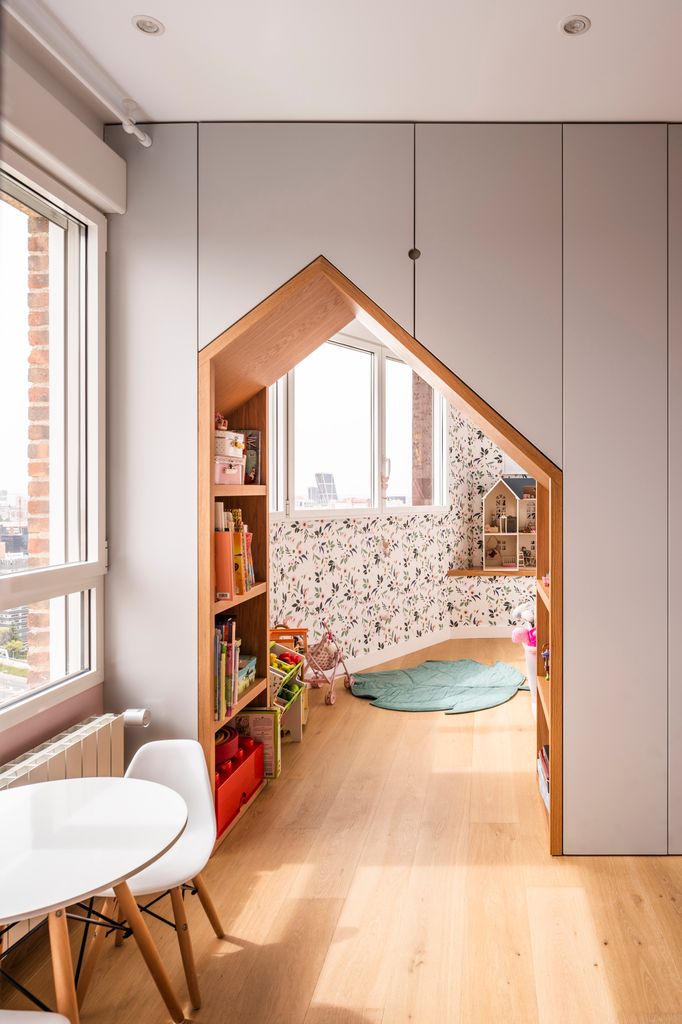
[[380, 445]]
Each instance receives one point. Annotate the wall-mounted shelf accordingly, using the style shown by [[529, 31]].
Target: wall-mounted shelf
[[226, 606], [491, 572]]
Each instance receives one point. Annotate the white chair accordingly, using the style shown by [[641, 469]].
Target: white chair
[[180, 765]]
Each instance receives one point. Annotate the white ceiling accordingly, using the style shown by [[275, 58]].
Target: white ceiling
[[389, 59]]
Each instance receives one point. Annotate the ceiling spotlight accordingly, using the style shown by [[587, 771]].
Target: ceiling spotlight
[[576, 25], [149, 26]]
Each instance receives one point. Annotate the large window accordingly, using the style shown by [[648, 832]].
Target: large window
[[355, 429], [51, 530]]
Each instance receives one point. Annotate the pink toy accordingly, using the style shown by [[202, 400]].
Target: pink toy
[[532, 637], [521, 635]]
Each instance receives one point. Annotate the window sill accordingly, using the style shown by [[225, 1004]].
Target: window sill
[[43, 700], [331, 515]]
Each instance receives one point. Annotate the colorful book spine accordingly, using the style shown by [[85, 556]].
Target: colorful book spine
[[240, 562]]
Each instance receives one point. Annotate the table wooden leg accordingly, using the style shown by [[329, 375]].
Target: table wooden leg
[[93, 951], [62, 966], [185, 943], [208, 905], [132, 915]]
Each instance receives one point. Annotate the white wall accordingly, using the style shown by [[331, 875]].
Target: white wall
[[151, 590]]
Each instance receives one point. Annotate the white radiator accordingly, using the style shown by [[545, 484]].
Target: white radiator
[[90, 748]]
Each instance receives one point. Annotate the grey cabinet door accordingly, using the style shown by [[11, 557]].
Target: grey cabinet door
[[675, 489], [273, 197], [615, 489], [488, 282]]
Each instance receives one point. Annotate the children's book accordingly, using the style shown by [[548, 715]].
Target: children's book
[[224, 565], [241, 578], [252, 455]]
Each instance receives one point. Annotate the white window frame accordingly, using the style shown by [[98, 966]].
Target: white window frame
[[283, 435], [56, 581]]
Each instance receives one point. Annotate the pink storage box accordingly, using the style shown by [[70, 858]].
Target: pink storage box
[[229, 471]]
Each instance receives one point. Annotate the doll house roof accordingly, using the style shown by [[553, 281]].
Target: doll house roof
[[518, 482], [504, 483]]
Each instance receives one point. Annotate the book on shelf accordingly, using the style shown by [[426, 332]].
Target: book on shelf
[[226, 666], [252, 455], [543, 762]]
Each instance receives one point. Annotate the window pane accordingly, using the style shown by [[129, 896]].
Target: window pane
[[334, 429], [43, 643], [41, 403], [409, 437]]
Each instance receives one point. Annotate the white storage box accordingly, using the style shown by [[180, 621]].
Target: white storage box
[[229, 443]]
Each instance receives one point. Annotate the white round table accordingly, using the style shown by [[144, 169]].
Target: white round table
[[62, 842]]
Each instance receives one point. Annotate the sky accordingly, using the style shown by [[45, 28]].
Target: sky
[[334, 386], [13, 349]]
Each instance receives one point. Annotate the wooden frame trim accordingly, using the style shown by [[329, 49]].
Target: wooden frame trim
[[282, 330]]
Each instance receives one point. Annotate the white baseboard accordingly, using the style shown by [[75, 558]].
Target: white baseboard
[[374, 658]]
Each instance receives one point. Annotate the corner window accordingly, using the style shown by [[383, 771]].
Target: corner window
[[50, 527], [355, 430]]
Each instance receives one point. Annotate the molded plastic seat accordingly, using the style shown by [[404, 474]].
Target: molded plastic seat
[[180, 765]]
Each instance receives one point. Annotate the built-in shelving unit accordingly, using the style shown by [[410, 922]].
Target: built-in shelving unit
[[217, 382], [549, 631]]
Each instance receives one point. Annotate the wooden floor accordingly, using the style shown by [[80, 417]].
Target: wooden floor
[[398, 872]]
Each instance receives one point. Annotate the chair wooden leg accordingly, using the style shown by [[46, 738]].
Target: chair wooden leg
[[118, 941], [93, 951], [62, 966], [185, 943], [149, 951], [208, 905]]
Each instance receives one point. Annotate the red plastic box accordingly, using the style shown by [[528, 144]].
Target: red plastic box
[[237, 780]]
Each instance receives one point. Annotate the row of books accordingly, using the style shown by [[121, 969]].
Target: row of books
[[234, 571], [226, 666]]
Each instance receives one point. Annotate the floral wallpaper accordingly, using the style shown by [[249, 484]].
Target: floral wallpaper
[[381, 581]]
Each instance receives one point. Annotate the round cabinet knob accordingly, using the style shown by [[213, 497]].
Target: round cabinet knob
[[414, 254]]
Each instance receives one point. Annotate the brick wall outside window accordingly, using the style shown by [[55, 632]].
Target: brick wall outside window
[[38, 440]]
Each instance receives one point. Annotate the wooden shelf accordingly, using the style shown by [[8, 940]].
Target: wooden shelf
[[242, 811], [543, 593], [253, 691], [239, 490], [224, 606], [543, 694], [492, 572]]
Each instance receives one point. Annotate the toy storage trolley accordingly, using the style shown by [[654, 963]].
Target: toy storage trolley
[[322, 664]]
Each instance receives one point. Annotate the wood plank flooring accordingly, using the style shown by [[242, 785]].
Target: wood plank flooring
[[398, 872]]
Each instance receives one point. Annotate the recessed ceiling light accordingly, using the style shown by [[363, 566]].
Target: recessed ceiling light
[[148, 25], [576, 25]]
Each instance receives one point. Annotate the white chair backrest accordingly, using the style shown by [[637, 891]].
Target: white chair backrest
[[180, 765]]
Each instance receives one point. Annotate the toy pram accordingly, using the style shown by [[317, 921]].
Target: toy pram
[[322, 662]]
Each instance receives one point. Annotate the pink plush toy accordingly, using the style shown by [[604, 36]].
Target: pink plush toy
[[532, 637], [521, 635]]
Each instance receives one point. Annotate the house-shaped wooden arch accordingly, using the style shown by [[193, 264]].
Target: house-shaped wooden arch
[[235, 371]]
